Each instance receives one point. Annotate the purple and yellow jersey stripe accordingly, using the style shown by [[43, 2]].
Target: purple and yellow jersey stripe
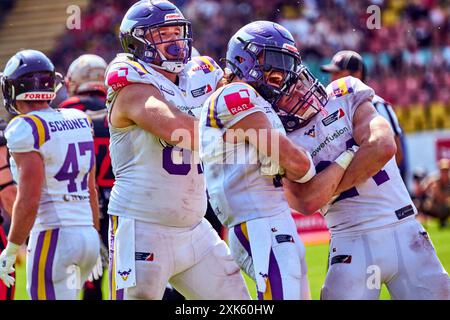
[[206, 64], [113, 293], [39, 129], [341, 87], [138, 67], [212, 119], [42, 287]]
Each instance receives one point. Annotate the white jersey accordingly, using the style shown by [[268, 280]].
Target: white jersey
[[64, 140], [381, 200], [240, 183], [157, 183]]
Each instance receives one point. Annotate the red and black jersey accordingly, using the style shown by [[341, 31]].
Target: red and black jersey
[[95, 107]]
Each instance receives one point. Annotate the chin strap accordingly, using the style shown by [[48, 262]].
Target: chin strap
[[169, 66]]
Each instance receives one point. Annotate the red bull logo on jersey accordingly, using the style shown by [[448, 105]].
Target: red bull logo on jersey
[[238, 101]]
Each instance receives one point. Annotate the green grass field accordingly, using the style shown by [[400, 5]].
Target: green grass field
[[316, 257]]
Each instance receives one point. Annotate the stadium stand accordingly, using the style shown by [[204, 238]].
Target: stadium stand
[[408, 58]]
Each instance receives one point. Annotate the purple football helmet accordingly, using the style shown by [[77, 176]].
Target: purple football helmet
[[140, 33], [261, 47], [29, 75]]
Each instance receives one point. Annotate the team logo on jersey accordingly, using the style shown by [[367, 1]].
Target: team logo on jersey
[[118, 79], [201, 91], [124, 274], [311, 132], [333, 117], [238, 101], [168, 91]]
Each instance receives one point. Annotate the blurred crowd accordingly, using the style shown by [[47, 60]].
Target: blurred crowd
[[408, 58], [431, 192]]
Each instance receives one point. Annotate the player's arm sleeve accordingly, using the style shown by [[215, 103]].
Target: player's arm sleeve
[[353, 90], [231, 104], [26, 134], [209, 67]]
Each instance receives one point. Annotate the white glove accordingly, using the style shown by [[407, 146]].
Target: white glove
[[97, 271], [7, 260]]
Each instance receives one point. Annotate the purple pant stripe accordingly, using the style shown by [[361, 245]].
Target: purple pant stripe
[[34, 130], [276, 284], [119, 294], [35, 271], [44, 124], [49, 287], [242, 239]]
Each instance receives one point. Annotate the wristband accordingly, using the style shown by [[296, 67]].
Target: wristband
[[311, 171], [12, 248]]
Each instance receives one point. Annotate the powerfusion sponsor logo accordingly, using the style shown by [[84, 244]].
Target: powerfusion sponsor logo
[[329, 138]]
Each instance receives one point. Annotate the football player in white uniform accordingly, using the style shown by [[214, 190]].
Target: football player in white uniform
[[158, 233], [245, 192], [375, 237], [53, 164]]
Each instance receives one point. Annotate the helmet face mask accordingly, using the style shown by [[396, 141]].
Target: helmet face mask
[[312, 100], [147, 32], [261, 52]]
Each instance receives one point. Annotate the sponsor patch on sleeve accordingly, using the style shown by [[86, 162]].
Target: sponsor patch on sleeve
[[238, 101], [333, 117], [118, 79]]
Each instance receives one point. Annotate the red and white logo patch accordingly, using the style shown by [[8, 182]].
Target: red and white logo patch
[[238, 101], [290, 47], [118, 79], [36, 96], [172, 16]]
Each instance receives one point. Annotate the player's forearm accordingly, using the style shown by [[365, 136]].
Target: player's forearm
[[368, 160], [293, 159], [24, 215], [8, 196], [177, 128], [309, 197]]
